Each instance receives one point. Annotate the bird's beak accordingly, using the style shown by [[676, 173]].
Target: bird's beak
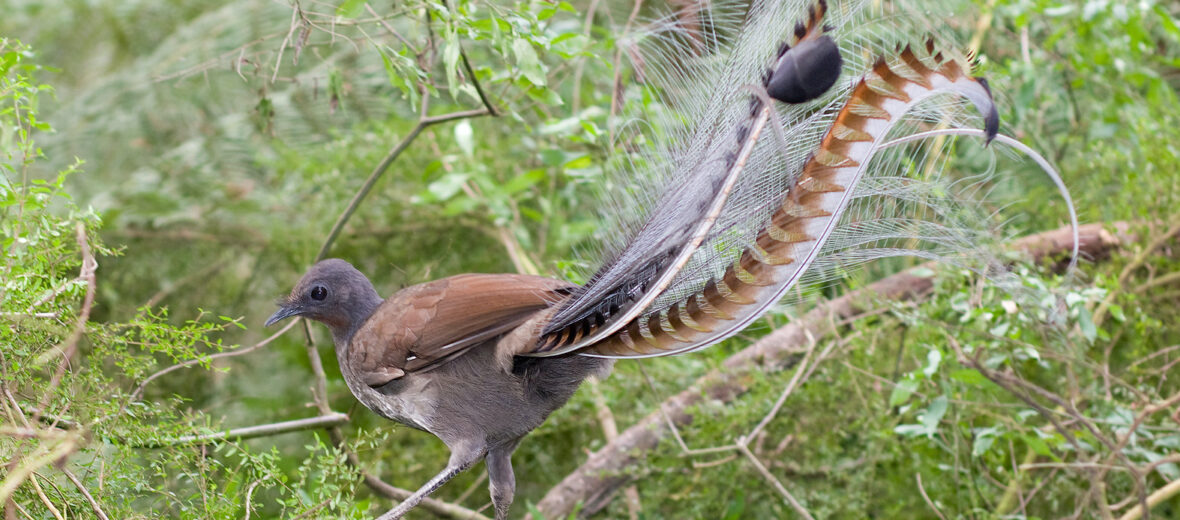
[[283, 313]]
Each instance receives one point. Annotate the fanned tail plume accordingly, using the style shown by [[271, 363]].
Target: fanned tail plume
[[791, 240], [775, 175]]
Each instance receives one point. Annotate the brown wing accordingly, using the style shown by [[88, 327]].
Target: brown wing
[[426, 324]]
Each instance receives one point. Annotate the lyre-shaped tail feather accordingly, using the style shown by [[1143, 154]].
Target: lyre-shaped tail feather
[[685, 216], [795, 233]]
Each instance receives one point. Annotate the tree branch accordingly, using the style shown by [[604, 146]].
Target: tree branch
[[262, 430], [85, 493], [424, 122]]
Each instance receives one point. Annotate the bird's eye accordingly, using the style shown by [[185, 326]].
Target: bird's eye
[[319, 292]]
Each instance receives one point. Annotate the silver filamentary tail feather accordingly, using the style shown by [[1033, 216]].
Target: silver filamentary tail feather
[[784, 162]]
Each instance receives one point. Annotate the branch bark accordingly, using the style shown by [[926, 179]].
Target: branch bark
[[595, 482]]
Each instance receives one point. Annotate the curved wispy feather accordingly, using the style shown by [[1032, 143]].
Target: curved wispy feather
[[758, 197]]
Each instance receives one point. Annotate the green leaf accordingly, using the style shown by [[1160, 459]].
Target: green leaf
[[934, 414], [1086, 324], [350, 8], [1167, 21], [552, 157], [527, 62], [581, 162], [984, 439], [902, 392], [451, 55], [933, 359], [524, 181], [545, 96], [1116, 312], [970, 376], [447, 186]]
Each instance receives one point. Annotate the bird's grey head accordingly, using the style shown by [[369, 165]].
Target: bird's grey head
[[332, 292]]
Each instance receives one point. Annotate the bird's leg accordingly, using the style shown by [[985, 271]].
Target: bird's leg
[[462, 457], [501, 480]]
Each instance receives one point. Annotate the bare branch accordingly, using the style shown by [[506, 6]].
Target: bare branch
[[423, 123], [85, 493], [438, 507], [262, 430], [89, 266], [1170, 490], [922, 489]]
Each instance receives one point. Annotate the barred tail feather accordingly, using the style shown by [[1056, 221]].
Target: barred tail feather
[[790, 241]]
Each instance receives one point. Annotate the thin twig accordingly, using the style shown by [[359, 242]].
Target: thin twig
[[250, 432], [249, 494], [44, 499], [89, 266], [18, 315], [1129, 269], [775, 482], [922, 489], [438, 507], [90, 498], [384, 165], [475, 82], [610, 430], [139, 390], [782, 398], [313, 509]]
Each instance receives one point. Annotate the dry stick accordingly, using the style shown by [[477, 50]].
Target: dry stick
[[595, 481], [313, 509], [1168, 491], [610, 430], [438, 507], [471, 489], [580, 67], [1163, 280], [90, 498], [777, 485], [922, 489], [249, 493], [616, 84], [44, 499], [1136, 263], [252, 432], [89, 266], [16, 472], [22, 509], [802, 372]]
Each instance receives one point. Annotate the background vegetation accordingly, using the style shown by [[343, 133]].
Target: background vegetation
[[190, 159]]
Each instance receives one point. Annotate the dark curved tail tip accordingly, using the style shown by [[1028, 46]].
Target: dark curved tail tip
[[991, 119], [806, 71]]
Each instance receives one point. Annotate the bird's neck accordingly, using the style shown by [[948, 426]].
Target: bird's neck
[[358, 312]]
